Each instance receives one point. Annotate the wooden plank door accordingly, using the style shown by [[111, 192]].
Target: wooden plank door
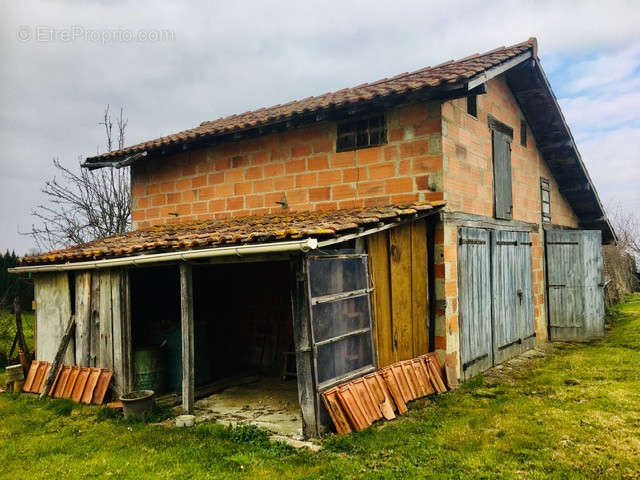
[[474, 276], [574, 283], [524, 302], [593, 286], [503, 198], [504, 280]]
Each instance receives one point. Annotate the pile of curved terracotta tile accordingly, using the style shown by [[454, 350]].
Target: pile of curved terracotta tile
[[80, 384], [356, 404]]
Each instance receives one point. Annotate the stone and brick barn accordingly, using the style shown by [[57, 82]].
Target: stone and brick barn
[[445, 210]]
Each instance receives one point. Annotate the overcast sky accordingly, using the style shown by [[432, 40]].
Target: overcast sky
[[175, 66]]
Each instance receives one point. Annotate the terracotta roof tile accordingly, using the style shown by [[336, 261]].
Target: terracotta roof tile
[[450, 72], [232, 231]]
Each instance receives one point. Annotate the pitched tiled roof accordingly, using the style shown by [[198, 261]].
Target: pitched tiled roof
[[233, 231], [451, 72]]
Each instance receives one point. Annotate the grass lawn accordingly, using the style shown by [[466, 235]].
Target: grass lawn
[[7, 333], [8, 330], [573, 414]]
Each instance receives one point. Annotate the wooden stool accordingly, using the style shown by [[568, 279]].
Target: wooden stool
[[285, 372]]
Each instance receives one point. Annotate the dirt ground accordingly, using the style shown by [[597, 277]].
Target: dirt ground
[[268, 402]]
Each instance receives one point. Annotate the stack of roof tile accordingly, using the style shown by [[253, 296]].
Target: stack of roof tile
[[80, 384], [355, 405]]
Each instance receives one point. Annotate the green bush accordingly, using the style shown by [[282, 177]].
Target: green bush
[[245, 433]]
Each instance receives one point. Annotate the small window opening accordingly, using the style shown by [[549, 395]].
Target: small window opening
[[472, 104], [362, 133], [545, 198], [523, 133]]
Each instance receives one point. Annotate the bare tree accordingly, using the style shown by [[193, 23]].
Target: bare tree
[[85, 204], [621, 258]]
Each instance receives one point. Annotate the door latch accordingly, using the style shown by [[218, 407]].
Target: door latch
[[520, 293]]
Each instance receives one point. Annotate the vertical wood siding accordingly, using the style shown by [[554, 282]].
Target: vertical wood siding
[[53, 302], [398, 269], [103, 335]]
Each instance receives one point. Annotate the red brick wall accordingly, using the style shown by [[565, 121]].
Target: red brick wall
[[250, 176]]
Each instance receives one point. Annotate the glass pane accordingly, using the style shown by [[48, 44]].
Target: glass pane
[[337, 275], [545, 195], [338, 358], [332, 319], [545, 208]]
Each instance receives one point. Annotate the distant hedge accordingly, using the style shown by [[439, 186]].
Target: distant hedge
[[12, 284]]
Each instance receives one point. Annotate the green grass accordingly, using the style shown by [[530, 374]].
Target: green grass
[[573, 414], [8, 331]]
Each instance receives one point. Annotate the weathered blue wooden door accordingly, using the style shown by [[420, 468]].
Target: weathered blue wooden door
[[525, 291], [474, 265], [506, 332], [496, 297], [512, 294], [575, 285]]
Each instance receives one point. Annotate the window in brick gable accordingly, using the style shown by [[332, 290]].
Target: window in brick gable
[[472, 105], [362, 133], [523, 133], [545, 198]]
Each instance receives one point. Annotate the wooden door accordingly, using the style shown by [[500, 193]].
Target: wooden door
[[525, 291], [504, 276], [574, 283], [341, 337], [474, 276], [496, 297]]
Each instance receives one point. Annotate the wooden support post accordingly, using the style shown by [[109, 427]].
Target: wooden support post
[[186, 308], [17, 309], [58, 359], [302, 340]]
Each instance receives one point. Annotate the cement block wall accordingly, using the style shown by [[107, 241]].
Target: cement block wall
[[468, 188], [249, 177]]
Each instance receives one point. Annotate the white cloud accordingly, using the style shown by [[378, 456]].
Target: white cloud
[[610, 69], [613, 161], [587, 115], [230, 57]]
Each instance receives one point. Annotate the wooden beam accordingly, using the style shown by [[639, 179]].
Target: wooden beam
[[302, 341], [577, 187], [497, 70], [186, 310]]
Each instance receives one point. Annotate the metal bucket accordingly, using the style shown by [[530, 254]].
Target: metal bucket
[[148, 368]]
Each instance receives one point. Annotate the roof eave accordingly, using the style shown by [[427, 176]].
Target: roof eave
[[554, 140], [335, 113]]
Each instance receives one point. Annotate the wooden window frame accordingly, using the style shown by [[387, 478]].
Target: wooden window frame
[[315, 343], [545, 186], [362, 137]]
